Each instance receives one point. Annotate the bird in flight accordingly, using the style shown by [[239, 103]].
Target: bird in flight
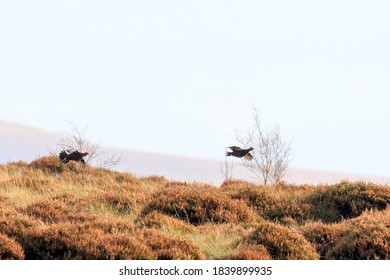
[[239, 152], [71, 154]]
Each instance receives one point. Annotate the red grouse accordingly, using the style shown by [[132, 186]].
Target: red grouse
[[71, 154], [239, 152]]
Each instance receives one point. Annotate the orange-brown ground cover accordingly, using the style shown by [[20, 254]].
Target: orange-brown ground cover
[[50, 210]]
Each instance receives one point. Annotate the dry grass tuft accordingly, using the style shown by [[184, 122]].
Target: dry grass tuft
[[32, 180], [221, 241]]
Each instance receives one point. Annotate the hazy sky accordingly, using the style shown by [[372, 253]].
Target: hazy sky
[[178, 77]]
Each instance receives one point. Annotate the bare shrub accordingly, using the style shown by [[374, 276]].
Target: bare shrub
[[77, 139], [271, 155], [227, 169]]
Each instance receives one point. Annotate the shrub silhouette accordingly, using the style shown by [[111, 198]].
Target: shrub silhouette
[[198, 204], [10, 249], [282, 243]]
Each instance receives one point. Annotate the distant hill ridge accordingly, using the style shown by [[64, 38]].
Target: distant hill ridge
[[19, 142]]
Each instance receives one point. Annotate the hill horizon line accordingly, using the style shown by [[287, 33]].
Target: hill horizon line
[[22, 142]]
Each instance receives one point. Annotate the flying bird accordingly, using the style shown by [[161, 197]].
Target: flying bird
[[239, 152], [71, 154]]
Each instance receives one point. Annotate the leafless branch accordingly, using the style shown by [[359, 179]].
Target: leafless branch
[[77, 139], [227, 168], [271, 155]]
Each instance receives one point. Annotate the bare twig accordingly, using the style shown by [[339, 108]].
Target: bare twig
[[77, 139], [227, 168], [271, 155]]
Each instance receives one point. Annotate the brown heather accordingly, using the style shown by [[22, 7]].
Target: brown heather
[[70, 241], [50, 210], [49, 164], [168, 247], [366, 237], [322, 236], [279, 203], [166, 223], [17, 225], [198, 204], [348, 200], [10, 249], [282, 243], [258, 252]]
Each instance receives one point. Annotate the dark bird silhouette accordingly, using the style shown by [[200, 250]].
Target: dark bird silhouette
[[71, 154], [239, 152]]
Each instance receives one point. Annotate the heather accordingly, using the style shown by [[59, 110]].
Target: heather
[[50, 210]]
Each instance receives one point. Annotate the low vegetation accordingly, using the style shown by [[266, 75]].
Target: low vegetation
[[50, 210]]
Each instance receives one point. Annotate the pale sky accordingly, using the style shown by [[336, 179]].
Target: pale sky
[[177, 77]]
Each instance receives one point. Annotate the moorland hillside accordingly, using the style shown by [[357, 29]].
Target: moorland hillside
[[51, 210]]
